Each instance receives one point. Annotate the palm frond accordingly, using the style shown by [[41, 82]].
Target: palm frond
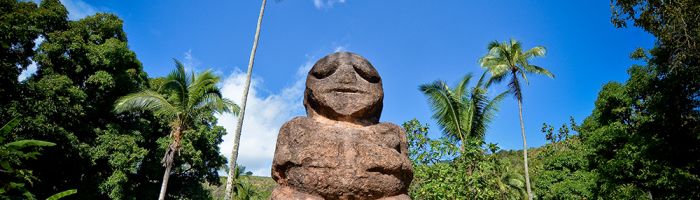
[[446, 108], [522, 74], [537, 51], [492, 45], [477, 123], [480, 83], [177, 81], [233, 107], [461, 87], [515, 48], [534, 69], [7, 128], [145, 100], [63, 194], [497, 78], [213, 103], [492, 106], [204, 83], [28, 143]]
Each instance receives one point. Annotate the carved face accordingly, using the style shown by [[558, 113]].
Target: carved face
[[344, 86]]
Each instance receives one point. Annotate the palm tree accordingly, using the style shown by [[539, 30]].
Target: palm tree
[[509, 184], [242, 187], [461, 113], [239, 125], [181, 100], [507, 60]]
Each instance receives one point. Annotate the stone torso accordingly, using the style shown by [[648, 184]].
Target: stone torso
[[332, 159]]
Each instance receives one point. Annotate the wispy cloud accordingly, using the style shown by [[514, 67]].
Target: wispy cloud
[[263, 118], [340, 48], [78, 9], [191, 63], [324, 4]]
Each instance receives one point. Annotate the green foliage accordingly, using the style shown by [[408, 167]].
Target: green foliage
[[508, 60], [246, 187], [84, 66], [60, 195], [441, 172], [462, 113], [260, 187], [187, 103], [13, 175], [21, 22], [242, 189], [561, 169], [644, 133], [185, 98]]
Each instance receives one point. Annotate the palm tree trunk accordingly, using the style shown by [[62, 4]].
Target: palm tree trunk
[[168, 160], [527, 170], [166, 177], [239, 126]]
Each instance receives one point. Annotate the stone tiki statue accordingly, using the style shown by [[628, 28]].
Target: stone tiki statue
[[340, 150]]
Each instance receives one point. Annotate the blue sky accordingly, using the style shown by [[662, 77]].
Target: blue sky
[[409, 42]]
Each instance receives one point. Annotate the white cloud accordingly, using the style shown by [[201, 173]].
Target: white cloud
[[78, 9], [323, 4], [263, 118], [340, 48], [190, 62]]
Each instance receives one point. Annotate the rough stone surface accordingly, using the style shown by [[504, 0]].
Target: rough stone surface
[[340, 150]]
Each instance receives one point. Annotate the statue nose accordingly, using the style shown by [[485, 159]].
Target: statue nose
[[346, 74]]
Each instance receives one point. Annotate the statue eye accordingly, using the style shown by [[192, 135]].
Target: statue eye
[[323, 70], [367, 72]]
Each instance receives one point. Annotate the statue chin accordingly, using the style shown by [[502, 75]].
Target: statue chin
[[344, 106]]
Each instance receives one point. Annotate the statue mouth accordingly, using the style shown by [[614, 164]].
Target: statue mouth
[[346, 90]]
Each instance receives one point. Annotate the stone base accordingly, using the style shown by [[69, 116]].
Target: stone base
[[287, 193]]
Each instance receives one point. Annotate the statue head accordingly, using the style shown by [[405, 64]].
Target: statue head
[[344, 86]]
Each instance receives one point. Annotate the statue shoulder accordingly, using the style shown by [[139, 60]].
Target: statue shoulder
[[298, 122], [386, 126], [297, 125]]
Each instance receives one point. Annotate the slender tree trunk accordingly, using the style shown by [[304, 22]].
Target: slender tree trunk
[[168, 160], [239, 126], [166, 177], [527, 170]]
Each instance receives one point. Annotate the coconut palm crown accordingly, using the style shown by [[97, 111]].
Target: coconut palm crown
[[507, 60], [181, 100], [462, 113]]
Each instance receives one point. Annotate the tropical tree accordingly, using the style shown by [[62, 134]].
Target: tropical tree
[[503, 182], [462, 113], [440, 174], [507, 60], [239, 125], [181, 100], [242, 187]]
